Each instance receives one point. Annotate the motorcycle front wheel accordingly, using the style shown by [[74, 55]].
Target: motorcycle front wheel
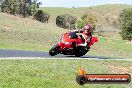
[[54, 50]]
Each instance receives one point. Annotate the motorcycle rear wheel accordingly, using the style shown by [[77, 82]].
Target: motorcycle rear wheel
[[81, 51]]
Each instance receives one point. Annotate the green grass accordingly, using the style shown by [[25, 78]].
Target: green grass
[[110, 47], [54, 73]]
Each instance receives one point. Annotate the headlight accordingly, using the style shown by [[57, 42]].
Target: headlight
[[66, 43]]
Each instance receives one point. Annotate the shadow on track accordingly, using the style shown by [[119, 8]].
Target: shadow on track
[[94, 57]]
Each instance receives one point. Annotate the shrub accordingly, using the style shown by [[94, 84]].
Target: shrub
[[125, 23], [41, 16], [66, 21]]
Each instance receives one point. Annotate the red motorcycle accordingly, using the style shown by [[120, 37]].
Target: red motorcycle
[[72, 44]]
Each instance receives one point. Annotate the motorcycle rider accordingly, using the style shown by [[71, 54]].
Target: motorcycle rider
[[86, 33]]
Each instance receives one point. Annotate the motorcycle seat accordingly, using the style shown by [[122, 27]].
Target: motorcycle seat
[[82, 38]]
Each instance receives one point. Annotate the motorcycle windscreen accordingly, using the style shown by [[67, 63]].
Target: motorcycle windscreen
[[73, 35]]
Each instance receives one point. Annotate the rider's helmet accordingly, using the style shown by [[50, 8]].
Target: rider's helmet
[[87, 28]]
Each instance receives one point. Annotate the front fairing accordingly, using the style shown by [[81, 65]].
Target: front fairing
[[67, 41]]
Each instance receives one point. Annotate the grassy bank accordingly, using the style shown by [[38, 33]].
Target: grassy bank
[[112, 47], [57, 73], [27, 34]]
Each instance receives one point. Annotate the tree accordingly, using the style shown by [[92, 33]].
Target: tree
[[24, 8], [20, 7], [5, 6], [125, 23]]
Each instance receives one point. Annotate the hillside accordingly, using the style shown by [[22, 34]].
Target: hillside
[[101, 12], [24, 33]]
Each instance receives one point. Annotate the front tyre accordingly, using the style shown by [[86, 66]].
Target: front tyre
[[54, 50]]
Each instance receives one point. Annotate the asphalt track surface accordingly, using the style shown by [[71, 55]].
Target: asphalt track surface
[[9, 53]]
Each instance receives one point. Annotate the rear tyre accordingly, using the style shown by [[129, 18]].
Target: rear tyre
[[54, 50], [81, 51]]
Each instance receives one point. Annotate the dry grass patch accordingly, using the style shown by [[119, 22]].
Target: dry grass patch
[[120, 69]]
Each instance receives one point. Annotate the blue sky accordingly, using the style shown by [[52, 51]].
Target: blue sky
[[81, 3]]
